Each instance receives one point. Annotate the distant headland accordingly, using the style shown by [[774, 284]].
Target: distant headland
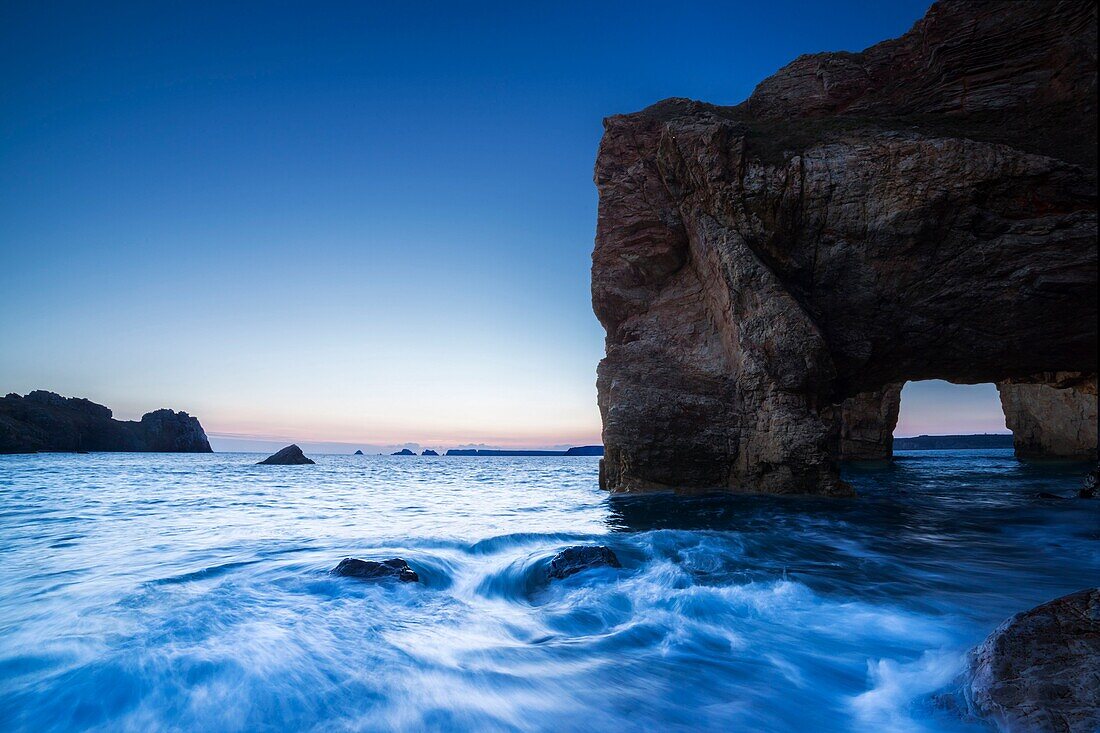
[[954, 442], [43, 421]]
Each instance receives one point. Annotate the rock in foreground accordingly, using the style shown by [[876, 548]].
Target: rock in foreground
[[45, 421], [1040, 670], [395, 568], [290, 456], [575, 559]]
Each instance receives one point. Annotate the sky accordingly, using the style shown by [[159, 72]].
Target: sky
[[361, 223]]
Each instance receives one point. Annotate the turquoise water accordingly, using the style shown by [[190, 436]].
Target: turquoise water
[[190, 592]]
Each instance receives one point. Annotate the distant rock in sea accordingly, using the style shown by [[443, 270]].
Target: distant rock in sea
[[403, 452], [1039, 670], [290, 456], [357, 453], [394, 568], [575, 559], [45, 421], [429, 452], [587, 450]]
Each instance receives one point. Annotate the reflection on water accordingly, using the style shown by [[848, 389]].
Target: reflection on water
[[190, 592]]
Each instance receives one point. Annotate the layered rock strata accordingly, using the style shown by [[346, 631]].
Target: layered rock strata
[[923, 209]]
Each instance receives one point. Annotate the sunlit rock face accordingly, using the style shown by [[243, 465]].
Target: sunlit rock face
[[923, 209], [1054, 418]]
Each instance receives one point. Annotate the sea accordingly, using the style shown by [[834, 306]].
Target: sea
[[168, 592]]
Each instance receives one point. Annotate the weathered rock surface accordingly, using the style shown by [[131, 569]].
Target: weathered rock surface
[[290, 456], [923, 209], [863, 426], [578, 558], [395, 568], [45, 421], [1051, 421], [1040, 671]]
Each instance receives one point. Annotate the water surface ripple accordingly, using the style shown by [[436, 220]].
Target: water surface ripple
[[190, 592]]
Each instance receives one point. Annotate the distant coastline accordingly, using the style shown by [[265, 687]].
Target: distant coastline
[[954, 442]]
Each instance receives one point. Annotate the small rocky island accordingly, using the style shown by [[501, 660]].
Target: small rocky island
[[43, 421], [292, 455]]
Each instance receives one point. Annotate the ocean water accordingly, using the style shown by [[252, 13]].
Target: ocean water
[[191, 592]]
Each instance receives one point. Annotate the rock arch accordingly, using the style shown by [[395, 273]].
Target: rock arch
[[1050, 415], [908, 212]]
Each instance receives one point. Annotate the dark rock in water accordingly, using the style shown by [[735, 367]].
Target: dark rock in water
[[357, 453], [403, 452], [290, 456], [429, 452], [1048, 495], [574, 559], [395, 567], [585, 450], [45, 421], [1040, 670], [1088, 491]]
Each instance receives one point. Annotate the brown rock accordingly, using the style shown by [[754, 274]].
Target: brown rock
[[1040, 670], [924, 209], [1048, 421]]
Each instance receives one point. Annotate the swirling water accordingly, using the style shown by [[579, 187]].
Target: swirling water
[[190, 592]]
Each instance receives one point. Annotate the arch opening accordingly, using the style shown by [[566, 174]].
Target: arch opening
[[1048, 415]]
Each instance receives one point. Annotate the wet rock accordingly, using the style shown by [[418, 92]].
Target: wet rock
[[394, 568], [290, 456], [1048, 495], [1088, 491], [1040, 670], [575, 559]]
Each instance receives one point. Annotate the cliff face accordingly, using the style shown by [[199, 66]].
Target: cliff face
[[1054, 419], [923, 209], [44, 421]]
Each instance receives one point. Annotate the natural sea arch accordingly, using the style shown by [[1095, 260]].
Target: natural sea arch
[[1051, 416]]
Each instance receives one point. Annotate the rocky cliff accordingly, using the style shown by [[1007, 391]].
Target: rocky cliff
[[923, 209], [44, 421]]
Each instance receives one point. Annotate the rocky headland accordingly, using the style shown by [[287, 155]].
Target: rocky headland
[[47, 422], [769, 274]]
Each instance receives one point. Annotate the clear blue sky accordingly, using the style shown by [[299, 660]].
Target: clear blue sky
[[361, 222]]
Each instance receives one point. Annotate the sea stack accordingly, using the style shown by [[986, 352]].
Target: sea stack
[[923, 209], [290, 456]]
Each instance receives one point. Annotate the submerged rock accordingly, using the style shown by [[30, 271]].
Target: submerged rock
[[395, 568], [290, 456], [1040, 670], [1088, 491], [575, 559]]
